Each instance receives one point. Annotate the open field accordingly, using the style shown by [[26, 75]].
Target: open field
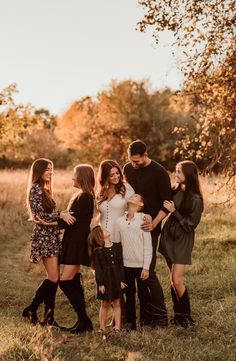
[[211, 282]]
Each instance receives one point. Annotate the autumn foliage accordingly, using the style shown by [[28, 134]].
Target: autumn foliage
[[205, 33]]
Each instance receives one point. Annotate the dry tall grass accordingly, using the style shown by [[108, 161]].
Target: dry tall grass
[[211, 282]]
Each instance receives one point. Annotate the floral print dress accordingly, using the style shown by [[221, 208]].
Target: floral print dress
[[46, 241]]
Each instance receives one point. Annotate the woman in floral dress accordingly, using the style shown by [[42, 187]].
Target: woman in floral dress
[[46, 243]]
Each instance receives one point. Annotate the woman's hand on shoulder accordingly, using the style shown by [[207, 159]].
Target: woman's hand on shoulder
[[67, 217], [169, 205]]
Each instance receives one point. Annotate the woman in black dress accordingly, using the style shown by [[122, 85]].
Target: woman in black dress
[[75, 246], [109, 272], [177, 238], [46, 243]]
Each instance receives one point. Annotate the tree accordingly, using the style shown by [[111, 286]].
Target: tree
[[15, 119], [213, 99], [206, 33], [26, 133], [127, 110], [204, 30]]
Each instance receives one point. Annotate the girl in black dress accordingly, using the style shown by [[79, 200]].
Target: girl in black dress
[[75, 246], [177, 236], [46, 243], [108, 264]]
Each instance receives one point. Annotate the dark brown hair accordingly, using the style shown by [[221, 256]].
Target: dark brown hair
[[37, 170], [138, 147], [103, 177], [192, 184], [95, 239]]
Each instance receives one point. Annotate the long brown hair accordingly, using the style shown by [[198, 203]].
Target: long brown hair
[[103, 177], [85, 176], [37, 170], [95, 239], [192, 184]]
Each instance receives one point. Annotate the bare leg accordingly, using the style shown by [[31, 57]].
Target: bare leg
[[117, 313], [177, 279], [103, 314], [69, 272], [180, 297], [52, 267]]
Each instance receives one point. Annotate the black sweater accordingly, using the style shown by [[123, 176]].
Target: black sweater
[[153, 183]]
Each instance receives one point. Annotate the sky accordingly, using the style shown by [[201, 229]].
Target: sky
[[58, 51]]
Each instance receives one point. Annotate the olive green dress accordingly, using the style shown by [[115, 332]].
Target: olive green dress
[[177, 237]]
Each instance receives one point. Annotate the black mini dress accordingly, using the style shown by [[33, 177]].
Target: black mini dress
[[75, 238], [177, 236]]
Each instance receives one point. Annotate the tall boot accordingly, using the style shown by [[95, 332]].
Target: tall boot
[[30, 311], [175, 301], [184, 319], [74, 292], [49, 301], [82, 316], [78, 283]]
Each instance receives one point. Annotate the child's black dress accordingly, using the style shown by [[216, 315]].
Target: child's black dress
[[108, 263]]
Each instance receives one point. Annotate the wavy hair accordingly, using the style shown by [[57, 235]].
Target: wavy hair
[[103, 179]]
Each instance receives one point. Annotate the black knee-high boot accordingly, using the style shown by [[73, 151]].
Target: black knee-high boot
[[77, 282], [184, 316], [49, 301], [30, 311], [175, 301], [74, 292], [83, 317]]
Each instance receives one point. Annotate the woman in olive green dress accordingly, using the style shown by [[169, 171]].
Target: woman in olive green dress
[[177, 238]]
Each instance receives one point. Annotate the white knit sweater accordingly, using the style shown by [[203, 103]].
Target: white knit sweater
[[136, 244]]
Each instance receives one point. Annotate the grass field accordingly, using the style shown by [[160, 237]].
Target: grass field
[[211, 282]]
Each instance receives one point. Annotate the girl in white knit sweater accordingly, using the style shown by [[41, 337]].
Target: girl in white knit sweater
[[137, 255]]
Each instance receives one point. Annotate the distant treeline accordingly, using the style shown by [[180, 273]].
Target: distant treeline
[[101, 128], [94, 129]]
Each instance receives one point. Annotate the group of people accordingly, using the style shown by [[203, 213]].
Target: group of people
[[129, 207]]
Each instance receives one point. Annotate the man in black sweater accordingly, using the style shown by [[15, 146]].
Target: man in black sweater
[[152, 181]]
